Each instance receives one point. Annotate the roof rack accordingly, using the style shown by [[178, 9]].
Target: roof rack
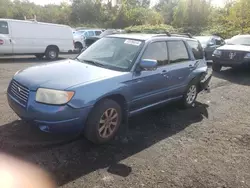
[[178, 34], [163, 33]]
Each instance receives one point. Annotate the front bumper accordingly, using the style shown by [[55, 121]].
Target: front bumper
[[50, 118], [230, 63]]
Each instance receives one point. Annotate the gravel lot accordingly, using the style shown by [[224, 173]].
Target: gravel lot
[[206, 146]]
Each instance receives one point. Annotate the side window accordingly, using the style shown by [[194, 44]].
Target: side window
[[91, 33], [196, 48], [4, 28], [86, 34], [97, 33], [157, 51], [177, 52]]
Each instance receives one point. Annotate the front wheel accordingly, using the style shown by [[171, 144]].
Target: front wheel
[[103, 122], [190, 95]]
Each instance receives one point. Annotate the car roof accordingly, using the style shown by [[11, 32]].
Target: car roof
[[140, 36], [242, 36]]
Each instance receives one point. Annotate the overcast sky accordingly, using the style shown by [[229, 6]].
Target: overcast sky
[[43, 2]]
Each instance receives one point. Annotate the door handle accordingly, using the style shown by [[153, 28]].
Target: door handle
[[164, 71], [10, 40]]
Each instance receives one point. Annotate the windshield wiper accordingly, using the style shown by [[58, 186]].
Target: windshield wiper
[[93, 62], [78, 59]]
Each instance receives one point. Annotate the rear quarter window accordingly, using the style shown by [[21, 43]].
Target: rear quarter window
[[196, 49]]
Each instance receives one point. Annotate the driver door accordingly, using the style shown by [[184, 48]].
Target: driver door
[[148, 87]]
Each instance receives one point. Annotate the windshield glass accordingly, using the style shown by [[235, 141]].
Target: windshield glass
[[113, 53], [203, 39], [240, 40]]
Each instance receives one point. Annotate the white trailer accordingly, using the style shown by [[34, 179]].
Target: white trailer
[[23, 37]]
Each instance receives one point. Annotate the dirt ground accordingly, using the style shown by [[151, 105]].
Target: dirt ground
[[205, 146]]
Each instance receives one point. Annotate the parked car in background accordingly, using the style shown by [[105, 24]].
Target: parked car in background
[[115, 78], [209, 44], [226, 41], [81, 35], [234, 54], [90, 40], [34, 38]]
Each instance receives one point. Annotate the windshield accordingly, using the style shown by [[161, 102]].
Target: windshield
[[112, 53], [203, 39], [240, 40]]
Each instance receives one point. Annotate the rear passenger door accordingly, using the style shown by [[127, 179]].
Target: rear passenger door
[[179, 68]]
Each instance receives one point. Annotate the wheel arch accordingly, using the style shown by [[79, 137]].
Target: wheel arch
[[52, 46], [78, 42], [197, 79], [121, 100]]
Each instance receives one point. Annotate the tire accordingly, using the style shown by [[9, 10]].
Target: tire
[[216, 67], [190, 95], [39, 56], [95, 127], [52, 53], [78, 47]]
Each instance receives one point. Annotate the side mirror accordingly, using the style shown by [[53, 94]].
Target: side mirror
[[148, 64]]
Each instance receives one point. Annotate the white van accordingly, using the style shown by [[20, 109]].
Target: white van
[[36, 38]]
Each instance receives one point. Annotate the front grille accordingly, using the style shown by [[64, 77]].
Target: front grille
[[19, 92], [239, 56]]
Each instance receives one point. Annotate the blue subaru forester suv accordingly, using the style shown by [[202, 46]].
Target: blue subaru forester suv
[[115, 78]]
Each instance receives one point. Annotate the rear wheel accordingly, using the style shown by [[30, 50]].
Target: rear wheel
[[216, 67], [52, 53], [190, 95], [103, 122]]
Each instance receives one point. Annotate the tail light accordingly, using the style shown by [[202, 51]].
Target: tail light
[[1, 42]]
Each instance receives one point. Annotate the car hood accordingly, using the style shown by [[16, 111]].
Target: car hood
[[62, 75], [235, 48]]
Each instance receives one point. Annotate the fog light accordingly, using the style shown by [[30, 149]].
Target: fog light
[[44, 128]]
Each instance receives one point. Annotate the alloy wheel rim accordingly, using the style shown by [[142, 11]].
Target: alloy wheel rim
[[191, 94], [52, 54], [108, 123]]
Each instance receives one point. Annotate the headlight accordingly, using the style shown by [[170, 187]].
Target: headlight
[[50, 96], [217, 53], [247, 56]]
